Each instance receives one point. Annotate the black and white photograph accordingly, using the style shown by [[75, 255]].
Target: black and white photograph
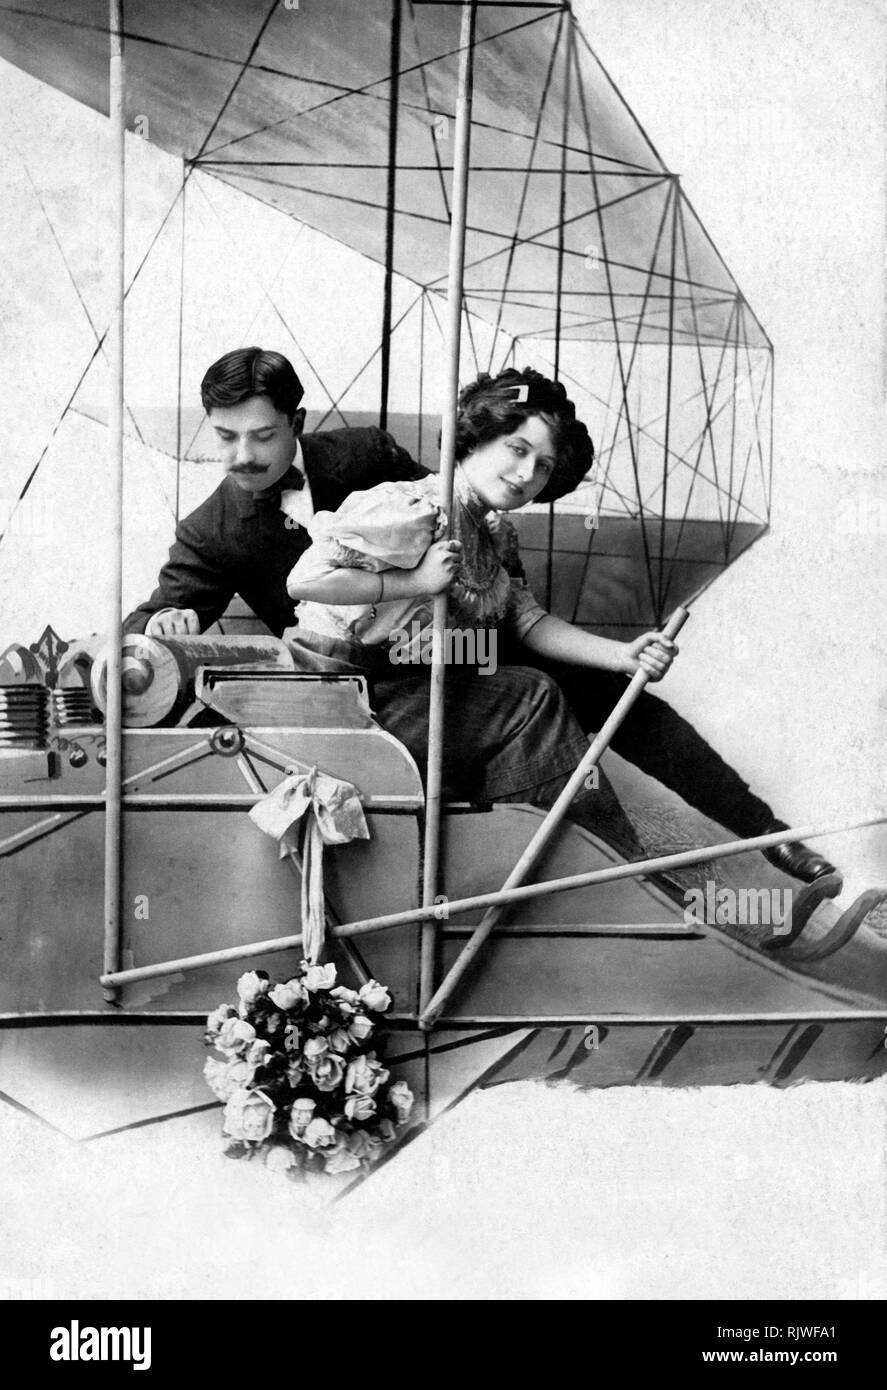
[[442, 716]]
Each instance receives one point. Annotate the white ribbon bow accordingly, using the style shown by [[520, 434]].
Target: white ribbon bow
[[337, 817]]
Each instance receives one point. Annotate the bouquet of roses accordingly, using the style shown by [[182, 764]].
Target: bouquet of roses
[[301, 1080]]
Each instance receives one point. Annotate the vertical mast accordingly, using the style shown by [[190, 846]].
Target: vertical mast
[[114, 712], [461, 156], [390, 210], [561, 246]]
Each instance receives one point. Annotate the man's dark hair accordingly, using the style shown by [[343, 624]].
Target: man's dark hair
[[494, 406], [249, 372]]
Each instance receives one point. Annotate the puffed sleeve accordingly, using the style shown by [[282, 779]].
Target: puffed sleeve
[[321, 558], [386, 527]]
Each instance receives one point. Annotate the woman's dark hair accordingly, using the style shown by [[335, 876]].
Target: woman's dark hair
[[249, 372], [493, 406]]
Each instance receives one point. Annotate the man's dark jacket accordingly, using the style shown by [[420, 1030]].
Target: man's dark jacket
[[236, 542]]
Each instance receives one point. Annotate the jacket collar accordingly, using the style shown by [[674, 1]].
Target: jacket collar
[[325, 465]]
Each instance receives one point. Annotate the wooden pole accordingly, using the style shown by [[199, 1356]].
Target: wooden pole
[[461, 155], [406, 1023], [540, 840], [390, 205], [559, 292], [465, 1022], [174, 801], [442, 912], [114, 621]]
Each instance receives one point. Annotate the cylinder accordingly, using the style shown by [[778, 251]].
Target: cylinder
[[158, 672]]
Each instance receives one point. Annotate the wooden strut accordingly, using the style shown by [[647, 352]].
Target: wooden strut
[[73, 805], [459, 1023], [443, 911], [433, 787], [607, 1020], [174, 801], [114, 710], [539, 843]]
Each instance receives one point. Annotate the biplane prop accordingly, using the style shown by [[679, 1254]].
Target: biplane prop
[[513, 209]]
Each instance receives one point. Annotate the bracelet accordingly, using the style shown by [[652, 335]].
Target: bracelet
[[378, 599]]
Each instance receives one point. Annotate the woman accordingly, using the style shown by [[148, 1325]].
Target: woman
[[366, 588]]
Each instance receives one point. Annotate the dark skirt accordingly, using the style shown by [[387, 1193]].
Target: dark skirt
[[507, 732]]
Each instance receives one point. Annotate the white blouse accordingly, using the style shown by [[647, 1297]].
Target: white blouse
[[390, 527]]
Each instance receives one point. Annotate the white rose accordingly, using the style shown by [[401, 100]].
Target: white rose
[[401, 1097], [319, 977], [360, 1028], [289, 996], [347, 999], [300, 1116], [327, 1073], [252, 986], [386, 1131], [249, 1115], [339, 1040], [224, 1078], [365, 1075], [314, 1049], [375, 997], [257, 1052], [280, 1159], [358, 1108], [319, 1134], [218, 1017], [235, 1035]]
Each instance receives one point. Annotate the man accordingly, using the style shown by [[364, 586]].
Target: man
[[240, 540], [246, 537]]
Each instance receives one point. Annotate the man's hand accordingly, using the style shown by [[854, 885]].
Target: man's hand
[[438, 567], [652, 653], [174, 622]]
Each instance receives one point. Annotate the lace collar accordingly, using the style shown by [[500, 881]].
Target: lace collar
[[474, 505]]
